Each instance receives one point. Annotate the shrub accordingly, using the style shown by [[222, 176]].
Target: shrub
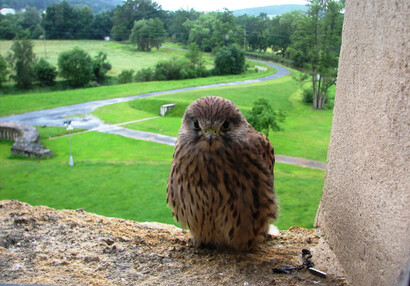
[[146, 74], [22, 59], [308, 95], [45, 73], [262, 117], [229, 60], [76, 66], [174, 69], [148, 34], [125, 76], [101, 66], [3, 70]]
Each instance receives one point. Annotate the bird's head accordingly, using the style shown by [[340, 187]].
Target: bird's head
[[212, 122]]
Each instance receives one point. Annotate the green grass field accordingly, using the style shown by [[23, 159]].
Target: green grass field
[[31, 101], [120, 56], [121, 177], [306, 132]]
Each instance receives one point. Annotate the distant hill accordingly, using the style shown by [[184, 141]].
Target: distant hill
[[273, 10], [95, 5]]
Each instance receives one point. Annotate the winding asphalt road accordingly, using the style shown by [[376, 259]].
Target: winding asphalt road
[[80, 116]]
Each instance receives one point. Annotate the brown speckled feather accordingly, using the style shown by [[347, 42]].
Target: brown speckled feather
[[264, 147], [221, 180]]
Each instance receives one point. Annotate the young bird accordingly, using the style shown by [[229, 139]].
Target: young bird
[[221, 181]]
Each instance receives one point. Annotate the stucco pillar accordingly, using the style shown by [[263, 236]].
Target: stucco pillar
[[364, 215]]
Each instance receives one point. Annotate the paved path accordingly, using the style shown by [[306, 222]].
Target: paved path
[[80, 116], [159, 138], [168, 140]]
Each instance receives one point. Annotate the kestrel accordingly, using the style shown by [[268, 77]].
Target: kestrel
[[221, 181]]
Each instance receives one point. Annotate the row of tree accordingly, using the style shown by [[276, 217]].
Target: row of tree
[[60, 21], [76, 66], [309, 40], [96, 5]]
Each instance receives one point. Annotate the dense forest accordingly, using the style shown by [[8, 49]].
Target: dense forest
[[310, 39]]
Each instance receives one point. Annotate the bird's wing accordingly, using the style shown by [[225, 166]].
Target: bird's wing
[[264, 148]]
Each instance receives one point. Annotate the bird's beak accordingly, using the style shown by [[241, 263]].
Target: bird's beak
[[211, 134]]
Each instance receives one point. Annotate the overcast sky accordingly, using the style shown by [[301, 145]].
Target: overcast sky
[[218, 5]]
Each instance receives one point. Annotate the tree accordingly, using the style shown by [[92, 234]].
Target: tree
[[175, 24], [200, 32], [76, 66], [125, 76], [257, 32], [194, 55], [230, 60], [213, 30], [102, 25], [157, 32], [132, 10], [10, 27], [147, 34], [3, 70], [63, 21], [225, 32], [140, 35], [45, 73], [316, 45], [59, 21], [31, 22], [281, 29], [101, 66], [84, 20], [22, 60], [263, 118]]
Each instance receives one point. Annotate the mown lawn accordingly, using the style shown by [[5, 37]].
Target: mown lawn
[[121, 56], [120, 177], [26, 102], [306, 132]]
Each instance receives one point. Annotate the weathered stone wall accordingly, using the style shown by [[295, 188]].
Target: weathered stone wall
[[26, 140], [9, 132], [364, 214]]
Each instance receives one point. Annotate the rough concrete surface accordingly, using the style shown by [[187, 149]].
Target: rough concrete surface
[[364, 213], [40, 245]]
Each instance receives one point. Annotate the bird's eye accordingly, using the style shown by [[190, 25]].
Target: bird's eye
[[196, 124], [226, 124]]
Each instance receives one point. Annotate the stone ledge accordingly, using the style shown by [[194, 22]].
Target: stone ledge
[[40, 245], [26, 140]]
